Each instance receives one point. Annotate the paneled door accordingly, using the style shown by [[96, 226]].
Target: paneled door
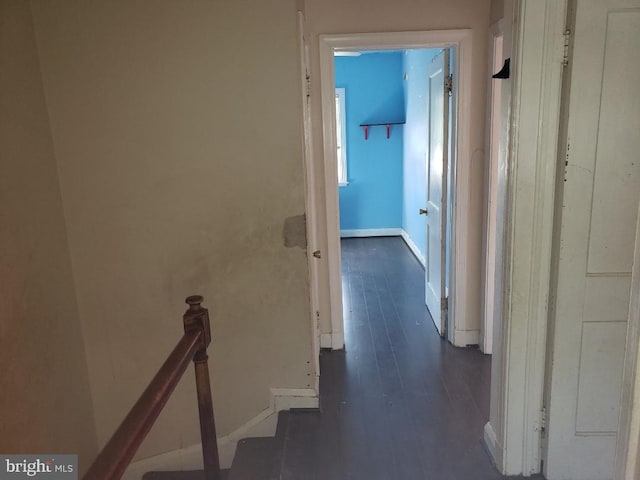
[[596, 241], [436, 192]]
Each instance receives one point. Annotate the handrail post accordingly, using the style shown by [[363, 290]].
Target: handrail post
[[197, 318]]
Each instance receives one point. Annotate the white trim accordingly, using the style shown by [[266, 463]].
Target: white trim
[[493, 446], [342, 166], [310, 204], [262, 425], [325, 340], [465, 338], [517, 393], [626, 463], [337, 340], [461, 183], [491, 243], [371, 232], [288, 398], [334, 262], [461, 41], [413, 247]]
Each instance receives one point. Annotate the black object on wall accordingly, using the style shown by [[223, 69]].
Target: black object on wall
[[504, 71]]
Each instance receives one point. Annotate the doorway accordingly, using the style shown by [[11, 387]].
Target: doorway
[[392, 125], [459, 41]]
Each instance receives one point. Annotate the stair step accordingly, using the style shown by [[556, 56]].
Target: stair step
[[182, 475], [255, 459], [303, 439], [282, 425]]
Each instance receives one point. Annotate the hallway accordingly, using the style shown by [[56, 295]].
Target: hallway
[[399, 402]]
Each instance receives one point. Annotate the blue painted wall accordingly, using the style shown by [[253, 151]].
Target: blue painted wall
[[374, 94], [415, 66]]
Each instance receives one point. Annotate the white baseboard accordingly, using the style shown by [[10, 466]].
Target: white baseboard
[[462, 338], [262, 425], [332, 341], [288, 398], [371, 232], [325, 340], [494, 448], [413, 247], [337, 341]]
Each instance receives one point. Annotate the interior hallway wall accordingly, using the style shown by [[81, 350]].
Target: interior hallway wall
[[497, 10], [177, 129], [45, 402]]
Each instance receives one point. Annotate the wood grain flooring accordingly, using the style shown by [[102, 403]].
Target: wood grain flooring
[[399, 402]]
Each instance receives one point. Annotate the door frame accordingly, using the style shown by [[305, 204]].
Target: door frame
[[492, 275], [310, 202], [627, 466], [530, 138], [460, 162]]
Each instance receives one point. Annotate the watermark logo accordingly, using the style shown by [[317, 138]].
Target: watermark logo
[[45, 467]]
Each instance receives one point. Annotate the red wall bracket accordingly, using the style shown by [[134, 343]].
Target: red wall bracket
[[387, 125]]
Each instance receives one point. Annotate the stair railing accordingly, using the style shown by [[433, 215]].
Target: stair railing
[[114, 458]]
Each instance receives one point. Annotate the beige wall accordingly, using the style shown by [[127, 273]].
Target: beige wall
[[178, 139], [363, 16], [497, 10], [45, 404]]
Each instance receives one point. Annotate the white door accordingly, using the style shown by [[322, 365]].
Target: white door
[[436, 194], [597, 232]]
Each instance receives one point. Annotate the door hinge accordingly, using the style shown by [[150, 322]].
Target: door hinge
[[317, 254], [448, 84], [567, 41], [543, 422], [308, 78], [444, 304]]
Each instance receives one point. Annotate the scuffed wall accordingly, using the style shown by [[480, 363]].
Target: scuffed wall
[[178, 137], [45, 403]]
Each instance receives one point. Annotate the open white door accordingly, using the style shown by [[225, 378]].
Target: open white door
[[596, 244], [436, 194]]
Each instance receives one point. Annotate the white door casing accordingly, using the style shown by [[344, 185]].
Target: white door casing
[[596, 244], [310, 202], [627, 464], [495, 195], [461, 41], [436, 192], [533, 39]]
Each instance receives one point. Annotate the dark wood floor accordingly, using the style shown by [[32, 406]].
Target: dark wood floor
[[399, 402]]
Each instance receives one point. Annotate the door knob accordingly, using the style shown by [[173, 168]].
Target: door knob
[[423, 211]]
